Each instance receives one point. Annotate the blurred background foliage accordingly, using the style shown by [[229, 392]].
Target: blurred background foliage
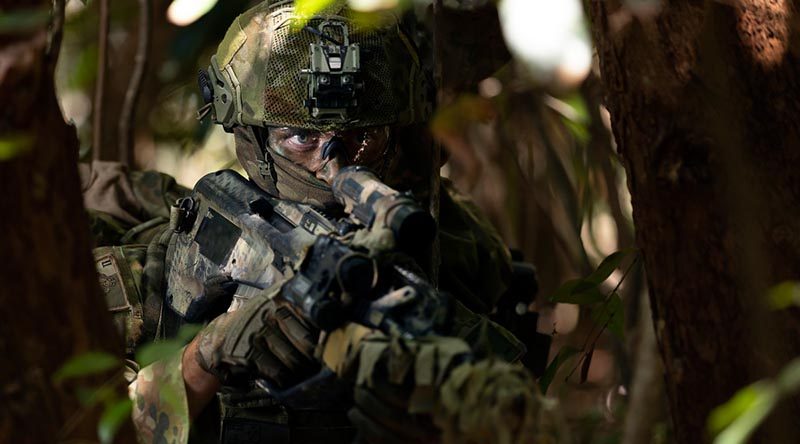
[[525, 134]]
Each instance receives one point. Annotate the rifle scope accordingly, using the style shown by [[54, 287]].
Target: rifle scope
[[373, 203]]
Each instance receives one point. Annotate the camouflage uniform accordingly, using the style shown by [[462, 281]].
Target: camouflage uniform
[[134, 206], [261, 78]]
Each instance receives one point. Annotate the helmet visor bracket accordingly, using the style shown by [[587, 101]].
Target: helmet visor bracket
[[334, 73]]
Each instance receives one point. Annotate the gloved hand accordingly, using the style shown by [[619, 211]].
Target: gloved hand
[[381, 415], [265, 337], [213, 299]]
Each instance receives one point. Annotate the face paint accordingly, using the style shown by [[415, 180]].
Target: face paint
[[316, 151]]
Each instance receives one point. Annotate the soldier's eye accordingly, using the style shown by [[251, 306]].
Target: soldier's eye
[[302, 139]]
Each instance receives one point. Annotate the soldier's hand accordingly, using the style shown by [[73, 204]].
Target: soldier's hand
[[264, 338], [380, 414]]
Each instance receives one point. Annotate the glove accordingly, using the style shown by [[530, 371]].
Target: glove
[[381, 410], [213, 300], [264, 338], [381, 415]]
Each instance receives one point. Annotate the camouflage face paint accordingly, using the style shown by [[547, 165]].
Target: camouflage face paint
[[316, 150]]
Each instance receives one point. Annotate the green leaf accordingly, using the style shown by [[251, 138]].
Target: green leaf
[[86, 364], [788, 382], [565, 293], [611, 313], [592, 295], [607, 267], [722, 416], [306, 9], [14, 145], [88, 396], [550, 373], [578, 130], [21, 21], [157, 351], [188, 332], [737, 419], [587, 362], [111, 420], [578, 105], [784, 295]]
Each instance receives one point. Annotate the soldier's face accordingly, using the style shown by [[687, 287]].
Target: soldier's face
[[324, 153]]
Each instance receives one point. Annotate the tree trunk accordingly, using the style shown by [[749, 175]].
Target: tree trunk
[[704, 99], [52, 308]]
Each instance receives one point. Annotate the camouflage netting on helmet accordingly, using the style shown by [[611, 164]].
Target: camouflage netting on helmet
[[265, 50]]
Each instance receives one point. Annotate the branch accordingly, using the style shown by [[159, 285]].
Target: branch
[[128, 115], [102, 71]]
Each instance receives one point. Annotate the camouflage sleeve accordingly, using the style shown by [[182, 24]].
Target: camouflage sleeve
[[160, 408], [126, 206], [488, 400]]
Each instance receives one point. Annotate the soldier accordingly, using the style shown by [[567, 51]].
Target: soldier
[[304, 99]]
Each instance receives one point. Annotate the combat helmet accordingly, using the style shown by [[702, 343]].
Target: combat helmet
[[331, 71]]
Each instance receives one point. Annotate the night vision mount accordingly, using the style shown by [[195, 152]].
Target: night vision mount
[[334, 73]]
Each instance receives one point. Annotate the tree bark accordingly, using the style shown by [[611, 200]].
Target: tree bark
[[52, 305], [704, 103]]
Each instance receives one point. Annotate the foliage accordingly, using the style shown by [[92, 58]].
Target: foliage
[[85, 364], [20, 21], [156, 351], [607, 310], [563, 356], [116, 409], [14, 145], [736, 420], [785, 295]]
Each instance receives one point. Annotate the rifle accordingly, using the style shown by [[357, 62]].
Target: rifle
[[229, 226]]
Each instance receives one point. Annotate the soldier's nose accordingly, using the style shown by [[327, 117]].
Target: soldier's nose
[[329, 171]]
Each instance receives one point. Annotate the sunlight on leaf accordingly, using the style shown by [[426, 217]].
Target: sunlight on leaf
[[550, 373], [585, 291], [608, 266], [111, 420], [784, 295], [737, 419], [14, 145], [305, 9], [86, 364], [789, 380], [22, 21]]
